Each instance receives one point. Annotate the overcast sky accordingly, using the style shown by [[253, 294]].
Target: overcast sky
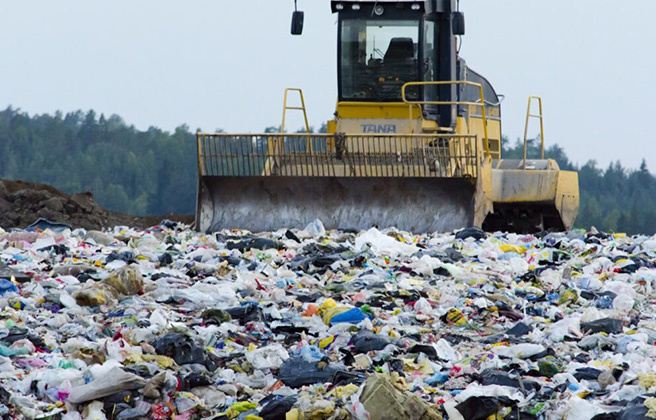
[[224, 64]]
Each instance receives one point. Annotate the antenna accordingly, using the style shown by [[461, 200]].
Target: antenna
[[372, 10]]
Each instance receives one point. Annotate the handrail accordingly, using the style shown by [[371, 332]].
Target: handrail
[[199, 152], [528, 117], [488, 103], [285, 107], [454, 82], [294, 108], [323, 135]]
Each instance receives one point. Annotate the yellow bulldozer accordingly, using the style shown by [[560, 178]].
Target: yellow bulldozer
[[415, 142]]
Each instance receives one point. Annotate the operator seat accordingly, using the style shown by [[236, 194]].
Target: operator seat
[[399, 67], [400, 51]]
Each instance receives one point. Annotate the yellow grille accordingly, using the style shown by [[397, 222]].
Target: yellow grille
[[338, 155]]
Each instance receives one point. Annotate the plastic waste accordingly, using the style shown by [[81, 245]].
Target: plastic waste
[[299, 324], [41, 224], [365, 341], [277, 408], [96, 294], [100, 238], [471, 232], [95, 411], [479, 408], [141, 409], [181, 348], [296, 372], [623, 303], [519, 330], [268, 357], [216, 316], [256, 243], [382, 243], [127, 281], [497, 377], [315, 229], [606, 325], [340, 315], [115, 380], [6, 286]]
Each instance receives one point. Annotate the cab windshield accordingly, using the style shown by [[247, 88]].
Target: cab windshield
[[377, 57]]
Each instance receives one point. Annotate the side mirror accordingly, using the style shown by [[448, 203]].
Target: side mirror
[[458, 23], [297, 23]]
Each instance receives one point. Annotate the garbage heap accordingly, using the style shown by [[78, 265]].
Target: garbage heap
[[308, 324]]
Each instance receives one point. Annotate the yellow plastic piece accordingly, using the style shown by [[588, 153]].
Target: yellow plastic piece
[[568, 296], [424, 367], [513, 248], [328, 314], [294, 414], [647, 380], [456, 317], [238, 408], [162, 361], [329, 303], [322, 413], [650, 403], [324, 342], [345, 391]]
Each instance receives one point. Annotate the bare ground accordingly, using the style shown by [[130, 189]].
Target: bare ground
[[22, 203]]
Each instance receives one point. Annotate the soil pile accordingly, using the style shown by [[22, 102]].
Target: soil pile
[[22, 203]]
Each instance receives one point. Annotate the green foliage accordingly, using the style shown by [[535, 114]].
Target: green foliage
[[138, 172], [612, 200]]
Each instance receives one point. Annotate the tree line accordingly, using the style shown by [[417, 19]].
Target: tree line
[[153, 172], [150, 172]]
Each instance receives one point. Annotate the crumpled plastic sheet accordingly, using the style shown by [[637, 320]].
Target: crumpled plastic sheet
[[170, 323]]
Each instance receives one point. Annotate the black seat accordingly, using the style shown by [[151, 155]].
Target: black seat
[[400, 50]]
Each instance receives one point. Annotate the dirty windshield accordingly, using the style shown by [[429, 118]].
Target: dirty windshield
[[377, 58]]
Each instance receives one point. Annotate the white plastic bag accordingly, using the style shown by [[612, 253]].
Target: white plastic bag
[[382, 243], [521, 351], [116, 380], [268, 357]]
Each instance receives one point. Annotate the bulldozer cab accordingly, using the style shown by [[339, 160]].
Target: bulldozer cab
[[384, 45], [415, 142], [377, 57]]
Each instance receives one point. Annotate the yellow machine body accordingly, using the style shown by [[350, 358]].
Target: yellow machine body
[[420, 162]]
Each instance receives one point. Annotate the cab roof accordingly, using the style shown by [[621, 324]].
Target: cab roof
[[334, 3]]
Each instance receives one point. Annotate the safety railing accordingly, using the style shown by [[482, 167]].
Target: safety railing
[[480, 104], [338, 155], [539, 116], [286, 107]]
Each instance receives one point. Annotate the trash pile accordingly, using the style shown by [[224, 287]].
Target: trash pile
[[168, 323]]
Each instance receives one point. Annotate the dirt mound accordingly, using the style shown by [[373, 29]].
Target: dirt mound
[[22, 203]]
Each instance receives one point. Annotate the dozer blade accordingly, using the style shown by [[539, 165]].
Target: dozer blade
[[265, 203]]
